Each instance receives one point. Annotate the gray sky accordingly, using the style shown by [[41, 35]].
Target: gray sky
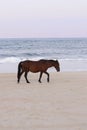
[[43, 18]]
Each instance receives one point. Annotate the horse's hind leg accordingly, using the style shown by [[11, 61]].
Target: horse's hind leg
[[47, 76], [19, 76], [26, 77]]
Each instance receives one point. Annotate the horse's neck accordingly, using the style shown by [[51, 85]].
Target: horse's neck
[[51, 65]]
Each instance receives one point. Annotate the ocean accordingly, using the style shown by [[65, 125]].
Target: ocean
[[70, 52]]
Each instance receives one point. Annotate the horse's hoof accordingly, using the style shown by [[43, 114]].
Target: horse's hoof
[[18, 81], [28, 82], [39, 81]]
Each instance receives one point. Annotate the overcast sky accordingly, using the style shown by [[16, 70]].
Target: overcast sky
[[43, 18]]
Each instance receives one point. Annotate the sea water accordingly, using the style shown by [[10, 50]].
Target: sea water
[[70, 52]]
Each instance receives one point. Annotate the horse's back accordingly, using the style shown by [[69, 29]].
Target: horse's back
[[37, 66]]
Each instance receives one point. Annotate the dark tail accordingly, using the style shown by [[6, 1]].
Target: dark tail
[[19, 71]]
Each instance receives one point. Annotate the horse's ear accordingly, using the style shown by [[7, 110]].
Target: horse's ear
[[56, 61]]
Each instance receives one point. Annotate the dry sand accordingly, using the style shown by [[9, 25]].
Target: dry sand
[[58, 105]]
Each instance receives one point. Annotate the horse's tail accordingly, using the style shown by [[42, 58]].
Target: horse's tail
[[19, 71]]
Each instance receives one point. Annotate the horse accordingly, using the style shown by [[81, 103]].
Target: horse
[[36, 66]]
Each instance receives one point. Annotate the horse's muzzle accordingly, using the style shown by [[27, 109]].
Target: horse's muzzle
[[58, 69]]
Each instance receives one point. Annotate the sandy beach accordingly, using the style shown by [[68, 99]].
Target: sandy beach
[[60, 104]]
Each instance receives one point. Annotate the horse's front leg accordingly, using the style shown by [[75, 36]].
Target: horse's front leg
[[26, 77], [47, 76], [40, 77]]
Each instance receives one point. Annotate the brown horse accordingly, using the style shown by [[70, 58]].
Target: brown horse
[[36, 66]]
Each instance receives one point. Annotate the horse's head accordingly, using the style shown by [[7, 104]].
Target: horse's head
[[57, 66]]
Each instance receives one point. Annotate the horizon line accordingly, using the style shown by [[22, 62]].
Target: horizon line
[[39, 37]]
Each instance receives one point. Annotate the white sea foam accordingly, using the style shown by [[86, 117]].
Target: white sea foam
[[16, 60], [9, 60]]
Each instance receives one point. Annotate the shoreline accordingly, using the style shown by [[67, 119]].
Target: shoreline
[[59, 104], [65, 66]]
